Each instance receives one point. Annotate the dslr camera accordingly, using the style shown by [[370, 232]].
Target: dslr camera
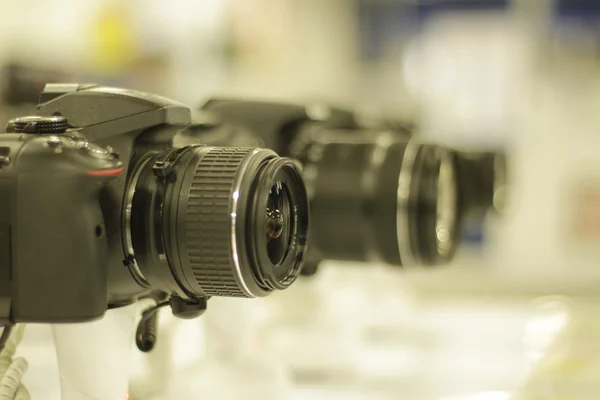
[[108, 196], [376, 192]]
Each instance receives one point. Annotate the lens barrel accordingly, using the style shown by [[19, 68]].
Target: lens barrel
[[381, 196], [199, 219]]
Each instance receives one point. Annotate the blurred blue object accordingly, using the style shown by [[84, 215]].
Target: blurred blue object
[[428, 8], [580, 9], [383, 23], [473, 233]]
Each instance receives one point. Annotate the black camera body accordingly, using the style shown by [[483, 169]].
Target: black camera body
[[106, 197], [53, 185], [50, 189]]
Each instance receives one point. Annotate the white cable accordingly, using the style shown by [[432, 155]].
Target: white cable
[[12, 369]]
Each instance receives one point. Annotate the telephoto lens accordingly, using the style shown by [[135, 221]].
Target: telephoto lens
[[377, 193]]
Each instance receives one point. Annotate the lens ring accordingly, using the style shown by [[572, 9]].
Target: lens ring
[[278, 276], [403, 228], [128, 248], [447, 205], [424, 204]]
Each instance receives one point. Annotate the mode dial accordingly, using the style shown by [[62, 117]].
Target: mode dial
[[38, 124]]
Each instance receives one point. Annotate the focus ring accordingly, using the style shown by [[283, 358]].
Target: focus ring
[[208, 222]]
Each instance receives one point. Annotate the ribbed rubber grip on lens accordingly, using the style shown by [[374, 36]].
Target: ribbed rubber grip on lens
[[209, 221]]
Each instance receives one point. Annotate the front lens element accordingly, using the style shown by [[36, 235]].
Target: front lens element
[[278, 214]]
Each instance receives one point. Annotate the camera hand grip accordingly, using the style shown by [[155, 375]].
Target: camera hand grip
[[59, 232]]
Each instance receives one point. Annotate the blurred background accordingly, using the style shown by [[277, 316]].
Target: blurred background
[[512, 318]]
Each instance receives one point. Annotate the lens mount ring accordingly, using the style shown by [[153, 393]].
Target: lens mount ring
[[403, 225], [154, 181], [127, 239], [167, 170]]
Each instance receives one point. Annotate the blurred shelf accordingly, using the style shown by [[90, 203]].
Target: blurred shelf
[[470, 282]]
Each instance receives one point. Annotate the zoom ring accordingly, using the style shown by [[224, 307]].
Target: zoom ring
[[208, 227]]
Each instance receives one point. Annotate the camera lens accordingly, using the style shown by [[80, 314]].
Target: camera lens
[[381, 196], [217, 221]]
